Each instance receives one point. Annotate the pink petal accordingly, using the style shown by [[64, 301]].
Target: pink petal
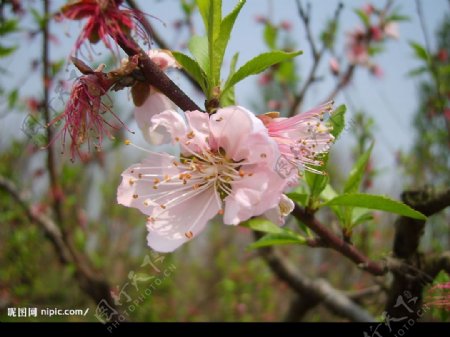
[[163, 58], [253, 196], [230, 128], [136, 189], [278, 213], [181, 223], [153, 105], [167, 126]]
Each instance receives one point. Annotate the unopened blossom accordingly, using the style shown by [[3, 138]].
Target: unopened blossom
[[368, 9], [357, 48], [155, 102], [225, 167], [334, 66], [376, 70], [105, 20], [376, 33], [302, 138]]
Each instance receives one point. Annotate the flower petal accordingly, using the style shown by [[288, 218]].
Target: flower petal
[[253, 196], [230, 128], [171, 228], [278, 214], [153, 105], [167, 125]]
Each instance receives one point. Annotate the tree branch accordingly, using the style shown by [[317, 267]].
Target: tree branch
[[338, 244], [317, 55], [156, 77], [91, 283], [421, 269], [157, 38], [318, 290]]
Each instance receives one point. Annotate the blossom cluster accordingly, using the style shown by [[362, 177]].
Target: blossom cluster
[[227, 166]]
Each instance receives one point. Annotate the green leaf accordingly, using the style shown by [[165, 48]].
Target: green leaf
[[317, 182], [363, 16], [278, 239], [204, 7], [193, 68], [378, 202], [198, 46], [12, 98], [270, 35], [220, 44], [356, 174], [259, 64], [328, 193], [360, 215], [8, 26], [337, 120], [215, 19], [228, 98], [6, 51], [419, 50], [262, 225], [397, 17], [301, 198], [417, 71]]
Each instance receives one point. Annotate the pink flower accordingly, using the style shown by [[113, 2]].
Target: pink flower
[[302, 138], [155, 102], [376, 33], [368, 9], [225, 167], [357, 48], [376, 70], [334, 66], [84, 113], [391, 30], [105, 20], [286, 25]]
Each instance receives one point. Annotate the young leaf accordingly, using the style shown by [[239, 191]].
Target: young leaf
[[300, 198], [262, 225], [316, 183], [337, 120], [193, 68], [278, 239], [378, 202], [259, 64], [363, 16], [270, 35], [215, 19], [221, 43], [229, 98], [356, 174], [198, 46], [419, 50], [204, 8], [359, 216]]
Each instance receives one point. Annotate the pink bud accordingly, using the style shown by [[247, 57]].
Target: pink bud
[[334, 66]]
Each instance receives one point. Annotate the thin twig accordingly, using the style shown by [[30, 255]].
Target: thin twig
[[156, 77], [157, 38], [317, 289], [317, 55], [338, 244]]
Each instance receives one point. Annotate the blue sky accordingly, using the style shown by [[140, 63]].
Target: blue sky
[[391, 101]]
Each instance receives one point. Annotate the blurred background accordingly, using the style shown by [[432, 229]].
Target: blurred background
[[397, 101]]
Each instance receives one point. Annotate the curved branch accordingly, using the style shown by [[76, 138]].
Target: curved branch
[[338, 244], [318, 290], [91, 283], [156, 77], [158, 39]]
